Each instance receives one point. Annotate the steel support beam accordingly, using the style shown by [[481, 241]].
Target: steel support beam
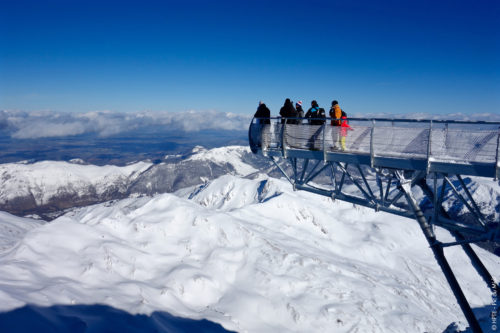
[[437, 249], [475, 260], [462, 199]]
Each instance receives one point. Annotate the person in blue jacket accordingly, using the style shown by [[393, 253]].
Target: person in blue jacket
[[316, 114]]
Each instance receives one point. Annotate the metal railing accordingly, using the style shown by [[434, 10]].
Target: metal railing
[[431, 140]]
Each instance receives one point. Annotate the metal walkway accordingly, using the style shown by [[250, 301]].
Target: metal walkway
[[383, 164]]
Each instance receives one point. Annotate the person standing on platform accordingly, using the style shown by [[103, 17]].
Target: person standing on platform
[[263, 112], [288, 111], [344, 127], [316, 116], [336, 114], [300, 111]]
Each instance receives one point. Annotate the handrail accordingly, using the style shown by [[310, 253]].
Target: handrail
[[400, 120]]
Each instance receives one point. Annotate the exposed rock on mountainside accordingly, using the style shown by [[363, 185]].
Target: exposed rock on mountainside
[[47, 188]]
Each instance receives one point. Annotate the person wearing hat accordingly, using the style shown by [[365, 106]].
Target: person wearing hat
[[300, 111]]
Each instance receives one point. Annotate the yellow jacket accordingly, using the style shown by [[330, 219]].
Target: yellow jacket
[[336, 113]]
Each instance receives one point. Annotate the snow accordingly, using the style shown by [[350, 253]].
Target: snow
[[225, 155], [13, 229], [44, 179], [486, 194], [252, 255]]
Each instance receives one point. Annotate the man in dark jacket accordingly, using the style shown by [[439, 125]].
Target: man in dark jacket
[[263, 112], [288, 111], [262, 139], [316, 114]]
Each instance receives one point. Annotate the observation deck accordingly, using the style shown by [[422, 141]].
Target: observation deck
[[383, 162], [455, 147]]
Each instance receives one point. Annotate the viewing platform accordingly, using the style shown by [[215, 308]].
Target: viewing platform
[[455, 147], [410, 168]]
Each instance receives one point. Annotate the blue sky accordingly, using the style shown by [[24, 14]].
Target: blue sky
[[127, 56]]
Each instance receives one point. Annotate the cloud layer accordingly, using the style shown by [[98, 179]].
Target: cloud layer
[[45, 124], [33, 125]]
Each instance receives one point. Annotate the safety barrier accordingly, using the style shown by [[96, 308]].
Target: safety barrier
[[428, 143]]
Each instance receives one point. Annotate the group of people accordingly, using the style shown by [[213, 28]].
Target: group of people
[[314, 116]]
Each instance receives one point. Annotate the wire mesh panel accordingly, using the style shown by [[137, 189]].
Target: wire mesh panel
[[272, 135], [358, 139], [399, 141], [464, 143], [264, 135], [304, 136]]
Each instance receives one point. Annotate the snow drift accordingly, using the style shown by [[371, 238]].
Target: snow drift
[[252, 255]]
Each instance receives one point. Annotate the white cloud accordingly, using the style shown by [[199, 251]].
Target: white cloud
[[43, 129], [32, 125], [42, 124]]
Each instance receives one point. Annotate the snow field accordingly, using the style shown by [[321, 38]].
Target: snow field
[[252, 255]]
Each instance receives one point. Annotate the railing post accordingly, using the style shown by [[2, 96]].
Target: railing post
[[429, 145], [497, 157], [283, 141], [436, 200], [324, 144], [372, 152]]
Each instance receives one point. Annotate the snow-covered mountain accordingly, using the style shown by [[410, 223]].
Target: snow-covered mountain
[[250, 254], [50, 187]]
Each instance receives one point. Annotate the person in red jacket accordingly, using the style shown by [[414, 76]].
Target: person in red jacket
[[344, 127]]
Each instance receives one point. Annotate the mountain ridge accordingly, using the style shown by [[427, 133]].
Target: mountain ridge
[[48, 188]]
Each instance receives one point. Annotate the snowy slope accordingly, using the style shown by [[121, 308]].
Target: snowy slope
[[13, 229], [485, 192], [231, 155], [50, 186], [42, 182], [44, 179], [252, 255]]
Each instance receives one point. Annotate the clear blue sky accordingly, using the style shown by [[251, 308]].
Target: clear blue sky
[[434, 56]]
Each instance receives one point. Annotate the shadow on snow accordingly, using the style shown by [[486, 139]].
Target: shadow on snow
[[98, 318]]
